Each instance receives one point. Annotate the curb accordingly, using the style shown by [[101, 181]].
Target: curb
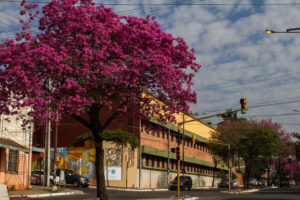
[[241, 192], [248, 191], [175, 198], [132, 190], [45, 195]]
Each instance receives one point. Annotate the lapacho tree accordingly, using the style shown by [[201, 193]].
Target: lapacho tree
[[84, 58]]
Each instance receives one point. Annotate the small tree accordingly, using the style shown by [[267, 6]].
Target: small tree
[[283, 151], [297, 145], [86, 60], [249, 140]]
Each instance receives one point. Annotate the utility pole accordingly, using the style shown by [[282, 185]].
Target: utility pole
[[178, 170], [55, 150], [183, 142], [47, 146], [140, 155], [168, 168], [47, 152], [229, 168]]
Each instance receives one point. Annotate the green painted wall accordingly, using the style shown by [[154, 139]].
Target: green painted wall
[[164, 154]]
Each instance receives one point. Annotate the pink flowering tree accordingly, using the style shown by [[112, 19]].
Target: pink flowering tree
[[284, 150], [248, 139], [84, 58]]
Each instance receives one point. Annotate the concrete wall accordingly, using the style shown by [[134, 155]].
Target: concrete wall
[[12, 129], [132, 175], [158, 179], [19, 180], [2, 165]]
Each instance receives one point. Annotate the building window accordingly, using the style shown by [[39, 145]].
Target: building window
[[153, 133], [147, 161], [163, 163], [153, 162], [158, 134], [163, 135], [13, 161], [158, 163]]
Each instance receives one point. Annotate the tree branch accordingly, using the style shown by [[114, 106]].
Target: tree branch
[[81, 120], [109, 120]]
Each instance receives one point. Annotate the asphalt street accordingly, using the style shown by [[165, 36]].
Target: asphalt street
[[203, 194]]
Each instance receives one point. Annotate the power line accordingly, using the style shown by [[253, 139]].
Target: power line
[[274, 115], [180, 4], [260, 105], [124, 12], [250, 82], [272, 104], [151, 9]]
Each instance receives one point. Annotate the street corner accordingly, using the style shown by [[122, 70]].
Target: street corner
[[240, 191], [174, 198]]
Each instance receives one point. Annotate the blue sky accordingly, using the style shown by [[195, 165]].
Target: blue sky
[[238, 58]]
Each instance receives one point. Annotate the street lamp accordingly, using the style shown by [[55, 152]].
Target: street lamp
[[290, 30]]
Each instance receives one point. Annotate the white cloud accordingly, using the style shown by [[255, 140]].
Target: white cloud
[[232, 48]]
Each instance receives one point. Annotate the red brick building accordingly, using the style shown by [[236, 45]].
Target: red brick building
[[155, 141]]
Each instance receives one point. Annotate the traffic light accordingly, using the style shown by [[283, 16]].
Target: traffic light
[[178, 153], [194, 139], [243, 102], [173, 150]]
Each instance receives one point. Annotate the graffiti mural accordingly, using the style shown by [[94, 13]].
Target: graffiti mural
[[113, 156], [130, 158], [82, 160], [79, 160], [37, 161]]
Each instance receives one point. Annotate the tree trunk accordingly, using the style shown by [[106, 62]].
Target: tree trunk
[[244, 180], [100, 178], [97, 130], [278, 171], [214, 172], [248, 166], [268, 174]]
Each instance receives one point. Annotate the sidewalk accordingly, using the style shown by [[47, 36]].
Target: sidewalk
[[41, 191], [249, 190]]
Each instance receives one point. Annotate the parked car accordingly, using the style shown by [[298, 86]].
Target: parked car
[[225, 182], [284, 182], [292, 182], [263, 183], [37, 177], [74, 178], [253, 182], [186, 183]]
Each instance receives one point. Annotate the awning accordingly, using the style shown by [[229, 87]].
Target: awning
[[37, 149], [10, 144]]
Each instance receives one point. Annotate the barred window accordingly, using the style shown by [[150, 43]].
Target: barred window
[[13, 161]]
